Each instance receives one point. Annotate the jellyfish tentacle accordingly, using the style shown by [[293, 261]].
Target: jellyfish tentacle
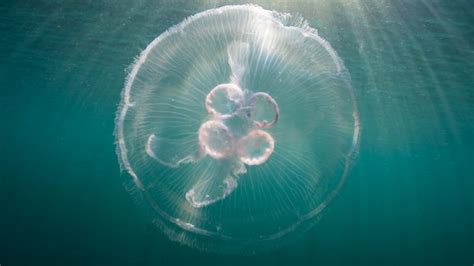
[[209, 191], [238, 57], [214, 183], [171, 153]]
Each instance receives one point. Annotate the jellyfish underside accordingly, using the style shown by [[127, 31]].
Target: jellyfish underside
[[233, 134], [239, 126]]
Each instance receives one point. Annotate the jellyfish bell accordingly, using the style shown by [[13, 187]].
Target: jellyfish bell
[[238, 127], [264, 110]]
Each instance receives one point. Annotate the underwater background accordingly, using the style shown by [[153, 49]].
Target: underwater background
[[409, 198]]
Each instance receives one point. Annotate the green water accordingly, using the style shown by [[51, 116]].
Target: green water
[[409, 198]]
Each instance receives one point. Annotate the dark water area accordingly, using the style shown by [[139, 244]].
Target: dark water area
[[409, 198]]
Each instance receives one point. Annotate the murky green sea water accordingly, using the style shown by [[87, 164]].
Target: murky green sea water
[[409, 198]]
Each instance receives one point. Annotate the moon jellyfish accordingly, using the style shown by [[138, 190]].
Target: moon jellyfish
[[238, 126]]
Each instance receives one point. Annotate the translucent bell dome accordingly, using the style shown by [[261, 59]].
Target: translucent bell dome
[[238, 127]]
